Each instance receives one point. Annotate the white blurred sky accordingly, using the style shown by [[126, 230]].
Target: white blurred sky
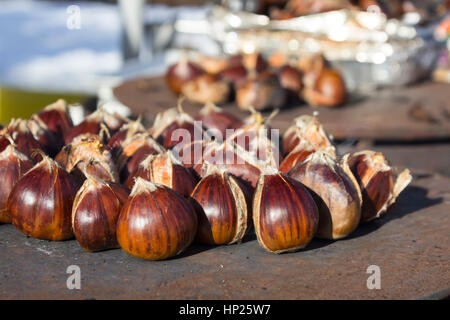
[[39, 52]]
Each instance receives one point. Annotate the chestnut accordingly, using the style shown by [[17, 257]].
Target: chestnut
[[180, 73], [133, 151], [57, 118], [300, 153], [307, 128], [290, 79], [206, 88], [13, 165], [96, 208], [24, 139], [260, 91], [40, 204], [328, 90], [380, 187], [212, 65], [74, 157], [50, 142], [254, 62], [156, 222], [214, 118], [336, 192], [234, 74], [167, 170], [126, 132], [223, 216], [285, 215], [166, 123]]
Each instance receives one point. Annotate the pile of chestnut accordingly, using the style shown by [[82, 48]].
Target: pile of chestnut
[[254, 82], [111, 182]]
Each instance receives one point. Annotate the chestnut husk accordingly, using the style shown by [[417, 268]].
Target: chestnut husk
[[74, 157], [57, 118], [40, 203], [156, 222], [285, 215], [167, 170], [379, 185], [133, 151], [13, 165], [180, 73], [307, 128], [223, 214], [95, 212], [173, 119], [206, 88], [215, 118], [336, 192], [260, 91], [328, 90]]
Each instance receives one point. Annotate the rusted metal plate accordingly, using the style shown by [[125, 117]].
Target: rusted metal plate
[[418, 112], [410, 245]]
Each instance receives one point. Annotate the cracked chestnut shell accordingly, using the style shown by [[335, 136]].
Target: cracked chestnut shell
[[380, 187], [224, 210], [125, 133], [40, 203], [13, 165], [165, 169], [335, 191], [307, 128], [95, 212], [156, 222], [285, 215]]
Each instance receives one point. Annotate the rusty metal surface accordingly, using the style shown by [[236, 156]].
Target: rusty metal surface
[[402, 114], [410, 245]]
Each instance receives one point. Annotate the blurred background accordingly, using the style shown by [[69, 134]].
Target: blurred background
[[83, 51]]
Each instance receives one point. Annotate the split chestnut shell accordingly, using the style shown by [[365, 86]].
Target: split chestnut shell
[[285, 215], [156, 222], [335, 191], [379, 186]]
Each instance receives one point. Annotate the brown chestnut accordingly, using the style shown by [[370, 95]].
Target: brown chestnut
[[290, 79], [206, 88], [307, 128], [95, 212], [180, 73], [13, 165], [165, 169], [24, 139], [224, 213], [50, 142], [214, 118], [380, 187], [126, 132], [156, 222], [300, 153], [40, 204], [335, 191], [57, 118], [285, 215], [328, 90]]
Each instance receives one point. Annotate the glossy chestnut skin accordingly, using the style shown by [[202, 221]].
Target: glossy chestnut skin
[[180, 73], [156, 222], [57, 118], [215, 118], [224, 211], [40, 203], [95, 212], [285, 215], [300, 153], [335, 192], [126, 132], [165, 169], [379, 186], [50, 142], [13, 165]]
